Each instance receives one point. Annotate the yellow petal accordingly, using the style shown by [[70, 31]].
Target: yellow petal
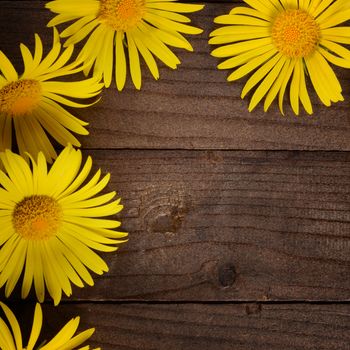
[[120, 64], [263, 88], [63, 336], [36, 328], [7, 68], [14, 325], [295, 88], [259, 74], [304, 96]]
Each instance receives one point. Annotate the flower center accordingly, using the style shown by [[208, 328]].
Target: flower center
[[122, 15], [295, 33], [20, 97], [37, 217]]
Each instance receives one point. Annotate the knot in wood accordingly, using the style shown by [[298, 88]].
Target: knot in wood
[[227, 275]]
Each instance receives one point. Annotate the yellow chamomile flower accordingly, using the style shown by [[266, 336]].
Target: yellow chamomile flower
[[281, 42], [51, 223], [11, 336], [121, 30], [32, 101]]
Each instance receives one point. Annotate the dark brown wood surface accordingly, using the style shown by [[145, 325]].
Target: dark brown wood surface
[[239, 222], [228, 225], [247, 326]]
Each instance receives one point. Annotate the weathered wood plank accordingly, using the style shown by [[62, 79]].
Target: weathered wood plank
[[229, 226], [193, 107], [207, 327]]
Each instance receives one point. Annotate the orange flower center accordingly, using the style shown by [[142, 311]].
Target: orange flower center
[[122, 15], [37, 217], [20, 97], [295, 33]]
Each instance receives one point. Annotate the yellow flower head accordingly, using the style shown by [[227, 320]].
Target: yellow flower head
[[11, 337], [32, 102], [281, 41], [118, 29], [51, 223]]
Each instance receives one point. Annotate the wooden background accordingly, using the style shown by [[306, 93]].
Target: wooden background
[[239, 222]]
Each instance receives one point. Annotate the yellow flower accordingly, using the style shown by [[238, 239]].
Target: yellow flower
[[118, 29], [51, 223], [281, 42], [11, 337], [32, 102]]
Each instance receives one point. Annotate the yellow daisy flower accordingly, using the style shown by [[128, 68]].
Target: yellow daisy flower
[[11, 337], [118, 29], [51, 223], [281, 41], [32, 102]]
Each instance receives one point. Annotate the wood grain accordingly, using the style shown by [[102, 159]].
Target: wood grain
[[193, 107], [229, 225], [206, 327], [225, 223]]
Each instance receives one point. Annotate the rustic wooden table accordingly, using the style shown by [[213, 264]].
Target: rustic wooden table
[[239, 222]]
